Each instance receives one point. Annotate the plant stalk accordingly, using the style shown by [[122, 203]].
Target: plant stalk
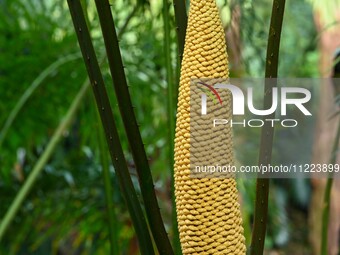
[[131, 127], [111, 214], [111, 133], [267, 132], [171, 117], [181, 19], [327, 197]]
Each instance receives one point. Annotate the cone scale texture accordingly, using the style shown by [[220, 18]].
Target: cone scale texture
[[208, 211]]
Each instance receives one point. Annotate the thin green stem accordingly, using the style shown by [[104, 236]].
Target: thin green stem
[[111, 133], [39, 166], [31, 89], [112, 218], [267, 132], [327, 197], [181, 19], [171, 118], [131, 127], [325, 216]]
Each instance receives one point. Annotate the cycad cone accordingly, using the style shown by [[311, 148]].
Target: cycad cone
[[208, 211]]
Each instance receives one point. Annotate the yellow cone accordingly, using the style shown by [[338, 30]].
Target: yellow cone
[[208, 211]]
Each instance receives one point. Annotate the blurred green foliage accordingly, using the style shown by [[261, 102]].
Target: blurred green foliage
[[32, 40]]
